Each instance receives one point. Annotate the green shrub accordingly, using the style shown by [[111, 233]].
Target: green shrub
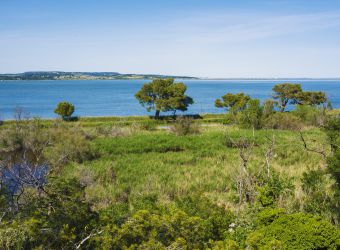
[[14, 237], [268, 215], [295, 231], [310, 115], [64, 110], [317, 199], [333, 160], [217, 219], [251, 116], [271, 188], [145, 228], [268, 107], [285, 121], [68, 144], [185, 126]]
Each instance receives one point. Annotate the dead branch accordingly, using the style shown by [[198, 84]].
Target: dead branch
[[78, 246], [311, 149]]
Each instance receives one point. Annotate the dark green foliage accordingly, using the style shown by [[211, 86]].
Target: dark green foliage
[[268, 215], [333, 161], [233, 102], [251, 116], [162, 230], [312, 98], [271, 188], [204, 223], [55, 217], [64, 110], [217, 219], [164, 95], [333, 132], [317, 200], [294, 231], [286, 93]]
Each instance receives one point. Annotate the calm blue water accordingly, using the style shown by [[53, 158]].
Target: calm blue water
[[116, 97]]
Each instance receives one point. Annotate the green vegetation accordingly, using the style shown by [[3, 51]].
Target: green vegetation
[[286, 93], [164, 95], [232, 102], [65, 110], [254, 178]]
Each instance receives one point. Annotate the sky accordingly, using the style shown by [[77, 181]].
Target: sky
[[203, 38]]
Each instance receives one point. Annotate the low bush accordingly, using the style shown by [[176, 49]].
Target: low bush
[[310, 115], [64, 110], [110, 131], [161, 231], [284, 121], [68, 144], [295, 231], [185, 126], [251, 116]]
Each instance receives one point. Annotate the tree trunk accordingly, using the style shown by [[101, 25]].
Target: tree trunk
[[283, 105], [157, 113]]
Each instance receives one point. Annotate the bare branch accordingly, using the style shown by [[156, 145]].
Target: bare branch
[[311, 149], [78, 246]]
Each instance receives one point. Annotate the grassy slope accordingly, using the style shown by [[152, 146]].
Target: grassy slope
[[164, 166]]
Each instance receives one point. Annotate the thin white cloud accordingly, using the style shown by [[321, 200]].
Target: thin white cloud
[[241, 27]]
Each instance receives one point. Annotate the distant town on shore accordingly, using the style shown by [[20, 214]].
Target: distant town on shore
[[62, 75]]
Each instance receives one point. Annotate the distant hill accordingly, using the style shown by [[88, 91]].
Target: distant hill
[[59, 75]]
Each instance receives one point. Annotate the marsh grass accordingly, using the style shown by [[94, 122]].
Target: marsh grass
[[162, 165]]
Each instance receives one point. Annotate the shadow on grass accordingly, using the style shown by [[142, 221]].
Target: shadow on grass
[[174, 117]]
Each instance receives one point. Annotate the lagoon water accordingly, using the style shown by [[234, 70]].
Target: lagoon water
[[116, 97]]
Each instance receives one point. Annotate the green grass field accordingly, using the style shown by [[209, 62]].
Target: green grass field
[[141, 183], [160, 164]]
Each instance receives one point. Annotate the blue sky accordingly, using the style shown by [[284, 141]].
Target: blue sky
[[206, 38]]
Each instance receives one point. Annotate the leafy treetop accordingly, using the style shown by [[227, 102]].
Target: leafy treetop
[[233, 102], [286, 93], [312, 98], [65, 110], [164, 95]]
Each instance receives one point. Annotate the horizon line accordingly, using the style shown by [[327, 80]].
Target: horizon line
[[184, 76]]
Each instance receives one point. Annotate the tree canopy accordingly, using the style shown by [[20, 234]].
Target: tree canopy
[[312, 98], [164, 95], [65, 110], [287, 93], [233, 102]]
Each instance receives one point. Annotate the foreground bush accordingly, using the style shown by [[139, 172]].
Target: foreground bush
[[295, 231], [151, 230]]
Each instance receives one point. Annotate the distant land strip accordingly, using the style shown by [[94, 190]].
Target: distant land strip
[[61, 75]]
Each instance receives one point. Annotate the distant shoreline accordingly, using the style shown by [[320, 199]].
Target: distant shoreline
[[187, 79], [78, 76]]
